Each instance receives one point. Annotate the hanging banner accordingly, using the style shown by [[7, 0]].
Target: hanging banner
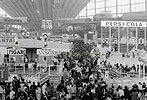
[[16, 51], [45, 52], [123, 24], [47, 24], [7, 41]]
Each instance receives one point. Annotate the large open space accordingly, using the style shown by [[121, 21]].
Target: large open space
[[73, 49]]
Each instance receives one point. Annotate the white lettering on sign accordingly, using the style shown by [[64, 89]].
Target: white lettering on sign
[[45, 52], [123, 24], [47, 24], [16, 52], [8, 40]]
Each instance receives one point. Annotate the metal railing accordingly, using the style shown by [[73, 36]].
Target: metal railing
[[23, 68], [118, 73]]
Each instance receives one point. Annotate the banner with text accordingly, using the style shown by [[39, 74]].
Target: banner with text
[[7, 41], [45, 52], [16, 51], [47, 24], [123, 24]]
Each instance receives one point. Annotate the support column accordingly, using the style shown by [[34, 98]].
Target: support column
[[110, 37], [130, 6], [95, 7], [145, 36], [95, 37], [74, 31], [139, 71], [145, 5], [101, 35], [119, 39], [105, 5], [127, 39], [85, 38], [144, 71], [116, 7], [136, 38]]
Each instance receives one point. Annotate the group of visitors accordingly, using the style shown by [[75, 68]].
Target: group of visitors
[[82, 79]]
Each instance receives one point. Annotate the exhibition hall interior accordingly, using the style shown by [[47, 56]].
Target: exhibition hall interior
[[73, 49]]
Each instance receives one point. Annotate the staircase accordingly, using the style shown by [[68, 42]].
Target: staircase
[[117, 58], [114, 74], [45, 76]]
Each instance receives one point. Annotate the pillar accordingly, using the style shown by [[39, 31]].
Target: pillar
[[136, 38], [95, 39], [49, 69], [85, 37], [119, 39], [144, 71], [145, 5], [110, 37], [116, 7], [130, 9], [145, 36], [74, 31], [101, 35], [139, 71], [105, 5], [127, 39]]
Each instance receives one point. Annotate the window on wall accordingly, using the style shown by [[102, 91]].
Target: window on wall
[[123, 9], [110, 3], [98, 11], [123, 2], [90, 12], [137, 1], [91, 5], [111, 9], [100, 5], [98, 0], [81, 16], [83, 12], [138, 7]]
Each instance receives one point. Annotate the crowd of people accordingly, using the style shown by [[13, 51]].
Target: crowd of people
[[82, 79]]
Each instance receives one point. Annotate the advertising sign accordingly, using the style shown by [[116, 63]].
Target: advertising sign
[[3, 73], [123, 24], [13, 19], [7, 41], [45, 52], [47, 24], [55, 80], [16, 51]]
